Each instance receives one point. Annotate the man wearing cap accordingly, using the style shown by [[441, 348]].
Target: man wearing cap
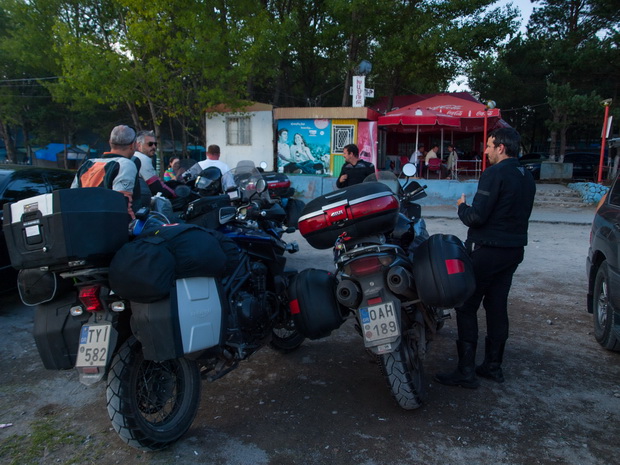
[[115, 169], [146, 146]]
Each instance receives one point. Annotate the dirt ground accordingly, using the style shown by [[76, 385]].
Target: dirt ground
[[327, 402]]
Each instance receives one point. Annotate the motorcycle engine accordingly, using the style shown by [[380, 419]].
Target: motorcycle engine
[[251, 305]]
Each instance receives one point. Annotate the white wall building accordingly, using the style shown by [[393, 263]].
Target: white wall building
[[245, 134]]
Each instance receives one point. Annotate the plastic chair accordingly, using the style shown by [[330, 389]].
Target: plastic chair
[[434, 166]]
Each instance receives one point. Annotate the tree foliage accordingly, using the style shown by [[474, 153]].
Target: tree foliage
[[71, 65], [556, 74]]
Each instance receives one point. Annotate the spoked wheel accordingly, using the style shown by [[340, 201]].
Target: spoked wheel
[[404, 373], [603, 311], [286, 338], [151, 404]]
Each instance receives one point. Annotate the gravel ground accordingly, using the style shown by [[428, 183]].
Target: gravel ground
[[327, 402]]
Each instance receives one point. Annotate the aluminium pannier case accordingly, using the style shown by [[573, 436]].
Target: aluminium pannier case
[[190, 319], [68, 225], [443, 271], [361, 210], [313, 303]]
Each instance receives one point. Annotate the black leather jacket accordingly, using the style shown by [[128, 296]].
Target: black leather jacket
[[355, 173], [499, 214]]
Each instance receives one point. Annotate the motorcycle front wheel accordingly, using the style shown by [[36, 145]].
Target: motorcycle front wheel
[[404, 373], [151, 404], [286, 338]]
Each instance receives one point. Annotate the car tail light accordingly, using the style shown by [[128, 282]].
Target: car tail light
[[89, 296]]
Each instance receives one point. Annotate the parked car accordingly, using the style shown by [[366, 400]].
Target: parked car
[[17, 183], [532, 161], [585, 165], [603, 270]]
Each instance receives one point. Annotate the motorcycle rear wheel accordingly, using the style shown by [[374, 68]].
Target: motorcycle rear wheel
[[404, 373], [151, 404]]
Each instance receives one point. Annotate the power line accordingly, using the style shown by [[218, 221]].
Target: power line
[[2, 81]]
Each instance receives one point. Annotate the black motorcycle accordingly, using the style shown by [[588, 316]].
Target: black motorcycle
[[391, 275], [156, 314]]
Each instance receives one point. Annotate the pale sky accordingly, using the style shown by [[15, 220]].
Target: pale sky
[[525, 6]]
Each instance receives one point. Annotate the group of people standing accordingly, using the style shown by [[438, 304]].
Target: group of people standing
[[128, 168]]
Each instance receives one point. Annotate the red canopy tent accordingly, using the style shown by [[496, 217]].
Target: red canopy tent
[[411, 117], [470, 113], [414, 115]]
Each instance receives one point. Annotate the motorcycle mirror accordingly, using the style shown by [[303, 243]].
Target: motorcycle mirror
[[263, 165], [409, 170]]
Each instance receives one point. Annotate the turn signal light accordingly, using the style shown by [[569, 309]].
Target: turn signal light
[[89, 296]]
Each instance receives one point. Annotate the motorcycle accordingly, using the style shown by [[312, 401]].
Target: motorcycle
[[395, 278], [280, 190], [156, 314]]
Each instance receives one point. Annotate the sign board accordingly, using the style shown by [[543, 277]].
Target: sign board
[[370, 93], [359, 90]]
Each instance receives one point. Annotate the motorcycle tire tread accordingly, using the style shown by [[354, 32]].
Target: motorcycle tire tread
[[124, 416]]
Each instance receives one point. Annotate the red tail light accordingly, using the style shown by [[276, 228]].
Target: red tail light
[[368, 265], [89, 296]]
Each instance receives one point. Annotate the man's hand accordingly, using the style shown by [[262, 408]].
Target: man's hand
[[461, 200], [343, 178]]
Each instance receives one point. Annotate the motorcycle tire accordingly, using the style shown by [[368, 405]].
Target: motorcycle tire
[[286, 338], [404, 373], [151, 404]]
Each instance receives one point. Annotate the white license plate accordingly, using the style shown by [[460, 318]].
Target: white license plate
[[93, 350], [379, 322]]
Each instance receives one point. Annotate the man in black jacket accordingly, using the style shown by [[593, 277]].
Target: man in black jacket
[[355, 170], [498, 221]]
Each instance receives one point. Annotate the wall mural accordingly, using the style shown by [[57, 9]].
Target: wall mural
[[304, 146]]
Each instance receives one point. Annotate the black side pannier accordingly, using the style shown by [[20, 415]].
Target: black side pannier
[[443, 271], [315, 309], [145, 269]]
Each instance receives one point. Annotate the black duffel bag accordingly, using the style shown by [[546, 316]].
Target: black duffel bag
[[145, 269]]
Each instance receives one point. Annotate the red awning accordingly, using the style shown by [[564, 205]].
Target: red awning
[[470, 113], [414, 115]]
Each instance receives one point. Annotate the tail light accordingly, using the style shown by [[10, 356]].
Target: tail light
[[367, 265], [89, 296]]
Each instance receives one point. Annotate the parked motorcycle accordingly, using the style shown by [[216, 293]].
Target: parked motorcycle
[[280, 190], [156, 314], [391, 275]]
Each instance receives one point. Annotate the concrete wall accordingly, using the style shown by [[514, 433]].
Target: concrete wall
[[439, 192], [262, 148], [556, 170]]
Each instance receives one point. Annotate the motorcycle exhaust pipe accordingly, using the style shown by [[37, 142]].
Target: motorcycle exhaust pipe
[[401, 282], [348, 293]]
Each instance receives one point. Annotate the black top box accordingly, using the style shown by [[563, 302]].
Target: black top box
[[68, 225], [361, 210]]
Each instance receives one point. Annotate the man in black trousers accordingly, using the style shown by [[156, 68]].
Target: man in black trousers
[[498, 221]]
